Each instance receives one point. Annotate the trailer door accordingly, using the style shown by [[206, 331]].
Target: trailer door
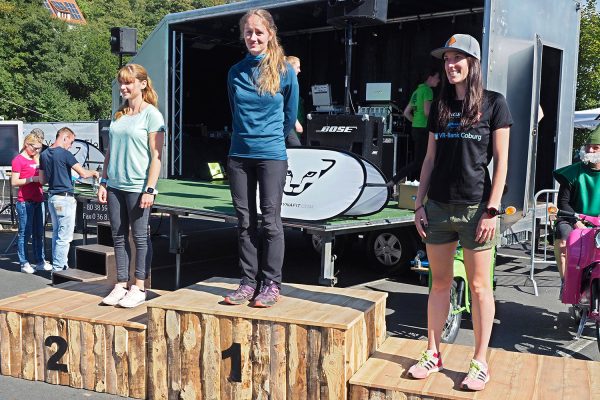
[[515, 33], [528, 201]]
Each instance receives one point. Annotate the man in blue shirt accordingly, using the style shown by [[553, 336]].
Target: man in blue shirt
[[56, 163]]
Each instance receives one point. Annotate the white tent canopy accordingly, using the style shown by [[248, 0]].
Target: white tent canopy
[[587, 118]]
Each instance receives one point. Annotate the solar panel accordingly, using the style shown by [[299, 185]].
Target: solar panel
[[59, 6], [47, 5]]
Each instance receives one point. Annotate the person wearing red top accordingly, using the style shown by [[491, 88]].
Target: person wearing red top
[[30, 204]]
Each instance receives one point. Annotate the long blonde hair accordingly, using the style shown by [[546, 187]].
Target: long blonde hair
[[32, 138], [273, 64], [130, 73]]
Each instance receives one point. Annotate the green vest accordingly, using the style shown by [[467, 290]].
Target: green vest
[[586, 184]]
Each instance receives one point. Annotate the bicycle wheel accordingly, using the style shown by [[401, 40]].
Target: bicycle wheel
[[452, 324], [598, 334]]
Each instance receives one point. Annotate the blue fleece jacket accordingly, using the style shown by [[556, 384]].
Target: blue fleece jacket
[[259, 122]]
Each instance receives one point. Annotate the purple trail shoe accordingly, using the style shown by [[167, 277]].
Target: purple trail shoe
[[241, 295], [268, 296]]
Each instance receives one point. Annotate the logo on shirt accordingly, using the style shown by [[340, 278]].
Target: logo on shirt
[[456, 135], [305, 177]]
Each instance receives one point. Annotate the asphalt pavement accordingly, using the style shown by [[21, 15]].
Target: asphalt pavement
[[524, 322]]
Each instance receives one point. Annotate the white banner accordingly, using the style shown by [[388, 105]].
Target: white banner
[[325, 183]]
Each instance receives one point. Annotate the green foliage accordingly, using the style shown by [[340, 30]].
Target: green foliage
[[588, 74], [65, 71], [50, 70]]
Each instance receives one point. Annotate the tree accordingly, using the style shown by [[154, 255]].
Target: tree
[[588, 72]]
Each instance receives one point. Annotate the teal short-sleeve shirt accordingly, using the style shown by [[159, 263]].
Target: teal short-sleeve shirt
[[130, 149]]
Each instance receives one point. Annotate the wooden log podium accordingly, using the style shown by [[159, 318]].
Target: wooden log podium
[[63, 335], [307, 346], [514, 376]]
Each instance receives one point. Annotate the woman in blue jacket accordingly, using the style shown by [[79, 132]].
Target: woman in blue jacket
[[263, 94]]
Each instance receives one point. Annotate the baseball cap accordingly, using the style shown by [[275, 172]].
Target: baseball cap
[[459, 42], [594, 137]]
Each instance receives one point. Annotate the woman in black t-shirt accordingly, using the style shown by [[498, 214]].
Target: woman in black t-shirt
[[468, 127]]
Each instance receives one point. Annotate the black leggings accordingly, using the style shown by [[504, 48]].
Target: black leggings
[[124, 211]]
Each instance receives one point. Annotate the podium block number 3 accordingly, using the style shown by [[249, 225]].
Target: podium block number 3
[[61, 348]]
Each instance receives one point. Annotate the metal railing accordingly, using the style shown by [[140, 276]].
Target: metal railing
[[534, 235]]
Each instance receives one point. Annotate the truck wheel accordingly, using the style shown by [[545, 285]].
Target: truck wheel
[[452, 324], [390, 251], [339, 244]]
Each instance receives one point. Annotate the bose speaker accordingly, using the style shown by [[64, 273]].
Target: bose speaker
[[123, 41], [357, 12]]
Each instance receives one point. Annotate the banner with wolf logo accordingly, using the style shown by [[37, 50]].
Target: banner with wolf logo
[[325, 183]]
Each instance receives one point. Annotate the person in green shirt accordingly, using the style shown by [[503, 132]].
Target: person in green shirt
[[578, 192], [417, 112]]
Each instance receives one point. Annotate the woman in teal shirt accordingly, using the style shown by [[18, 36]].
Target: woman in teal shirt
[[128, 184]]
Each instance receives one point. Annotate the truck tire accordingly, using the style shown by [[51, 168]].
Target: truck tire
[[452, 324], [389, 251], [339, 244]]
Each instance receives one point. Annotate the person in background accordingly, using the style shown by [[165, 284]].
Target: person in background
[[293, 136], [417, 112], [56, 163], [468, 127], [579, 192], [263, 94], [38, 133], [30, 204], [129, 177]]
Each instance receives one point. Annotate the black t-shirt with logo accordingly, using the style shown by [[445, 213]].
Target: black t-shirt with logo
[[460, 174]]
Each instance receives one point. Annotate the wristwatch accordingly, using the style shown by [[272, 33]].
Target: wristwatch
[[151, 190], [492, 211]]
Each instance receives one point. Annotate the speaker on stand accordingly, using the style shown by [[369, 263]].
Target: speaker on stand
[[123, 41], [350, 14]]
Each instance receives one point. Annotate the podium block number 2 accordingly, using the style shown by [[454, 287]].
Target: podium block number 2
[[61, 348]]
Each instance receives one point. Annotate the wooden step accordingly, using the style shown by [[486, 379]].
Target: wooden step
[[75, 275], [513, 375], [100, 259], [104, 234], [95, 258]]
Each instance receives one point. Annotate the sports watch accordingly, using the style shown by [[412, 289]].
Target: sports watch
[[492, 211], [151, 190]]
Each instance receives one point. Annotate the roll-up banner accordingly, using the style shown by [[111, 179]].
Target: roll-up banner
[[325, 183]]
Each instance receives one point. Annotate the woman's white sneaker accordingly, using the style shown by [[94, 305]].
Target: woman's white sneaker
[[118, 293], [133, 298]]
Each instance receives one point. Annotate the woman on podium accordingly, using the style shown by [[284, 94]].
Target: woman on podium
[[30, 204], [468, 127], [128, 183], [263, 94]]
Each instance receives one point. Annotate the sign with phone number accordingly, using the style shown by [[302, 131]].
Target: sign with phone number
[[94, 211]]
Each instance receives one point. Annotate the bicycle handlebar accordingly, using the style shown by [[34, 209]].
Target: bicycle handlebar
[[594, 221]]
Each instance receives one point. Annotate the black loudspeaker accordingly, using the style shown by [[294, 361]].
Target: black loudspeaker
[[103, 126], [387, 156], [347, 132], [123, 41], [357, 12]]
